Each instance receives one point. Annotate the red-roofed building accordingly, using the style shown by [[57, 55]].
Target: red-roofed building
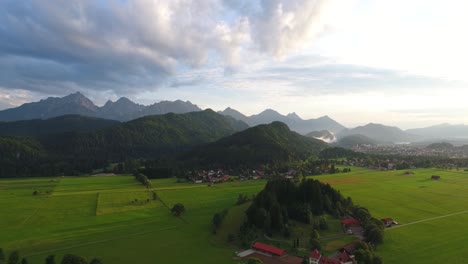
[[314, 257], [342, 258], [325, 260], [349, 248], [350, 222], [268, 249]]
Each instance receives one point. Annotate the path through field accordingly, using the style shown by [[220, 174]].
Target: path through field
[[428, 219]]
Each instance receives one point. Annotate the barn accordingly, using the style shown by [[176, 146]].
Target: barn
[[268, 249]]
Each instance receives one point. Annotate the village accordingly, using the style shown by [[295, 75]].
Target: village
[[270, 254]]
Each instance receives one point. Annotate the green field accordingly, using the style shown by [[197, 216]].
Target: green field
[[409, 199], [116, 219], [98, 217]]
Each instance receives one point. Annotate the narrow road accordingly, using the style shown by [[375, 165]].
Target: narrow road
[[428, 219]]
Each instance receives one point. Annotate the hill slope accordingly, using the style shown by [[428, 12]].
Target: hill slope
[[263, 144], [146, 137], [354, 140], [56, 125], [380, 133], [444, 131]]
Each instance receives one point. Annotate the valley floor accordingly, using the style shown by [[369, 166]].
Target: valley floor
[[116, 219]]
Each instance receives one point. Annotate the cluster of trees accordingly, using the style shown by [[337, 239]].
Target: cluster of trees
[[14, 258], [178, 209], [282, 200], [373, 227], [242, 199], [365, 254], [218, 219], [142, 179]]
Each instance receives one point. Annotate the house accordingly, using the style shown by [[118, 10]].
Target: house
[[343, 258], [435, 177], [314, 257], [349, 248], [350, 222], [264, 248]]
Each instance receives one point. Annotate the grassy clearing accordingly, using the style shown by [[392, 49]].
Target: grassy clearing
[[95, 216], [410, 198]]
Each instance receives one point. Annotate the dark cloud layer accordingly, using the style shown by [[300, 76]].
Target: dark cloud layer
[[55, 47]]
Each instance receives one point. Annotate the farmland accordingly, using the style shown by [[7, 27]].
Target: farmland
[[98, 217], [116, 219], [409, 199]]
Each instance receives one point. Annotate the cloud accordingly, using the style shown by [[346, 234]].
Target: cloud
[[133, 46]]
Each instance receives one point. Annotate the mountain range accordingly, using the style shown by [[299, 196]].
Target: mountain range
[[293, 121], [78, 104], [324, 128]]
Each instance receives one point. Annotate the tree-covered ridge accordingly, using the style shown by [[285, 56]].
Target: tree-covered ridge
[[263, 144], [150, 137], [147, 137], [56, 125]]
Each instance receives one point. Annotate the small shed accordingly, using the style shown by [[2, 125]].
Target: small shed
[[435, 177], [387, 221]]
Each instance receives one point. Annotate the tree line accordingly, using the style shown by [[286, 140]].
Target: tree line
[[15, 258]]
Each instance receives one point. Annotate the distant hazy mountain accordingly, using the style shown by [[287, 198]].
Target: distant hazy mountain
[[234, 114], [443, 131], [324, 135], [262, 144], [73, 104], [355, 140], [164, 107], [77, 104], [293, 121], [56, 125], [120, 109], [380, 133]]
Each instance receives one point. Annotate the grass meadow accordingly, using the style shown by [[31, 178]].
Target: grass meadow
[[116, 219], [408, 199], [98, 217]]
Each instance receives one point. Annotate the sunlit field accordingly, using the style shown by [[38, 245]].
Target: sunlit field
[[408, 199]]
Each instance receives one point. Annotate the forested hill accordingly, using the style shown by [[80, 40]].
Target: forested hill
[[56, 125], [147, 137], [263, 144]]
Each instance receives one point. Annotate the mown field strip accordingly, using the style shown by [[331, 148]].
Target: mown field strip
[[100, 241]]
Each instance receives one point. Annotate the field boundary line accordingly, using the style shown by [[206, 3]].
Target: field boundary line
[[100, 241], [428, 219], [168, 208], [42, 203], [98, 195]]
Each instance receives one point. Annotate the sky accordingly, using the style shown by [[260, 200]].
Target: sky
[[401, 63]]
